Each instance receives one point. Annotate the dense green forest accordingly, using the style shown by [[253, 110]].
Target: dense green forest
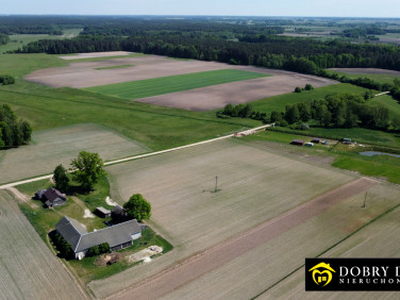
[[235, 42], [13, 132]]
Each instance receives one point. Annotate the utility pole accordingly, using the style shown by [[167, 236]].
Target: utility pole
[[365, 200], [216, 184]]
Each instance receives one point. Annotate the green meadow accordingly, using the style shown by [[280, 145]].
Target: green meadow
[[165, 85]]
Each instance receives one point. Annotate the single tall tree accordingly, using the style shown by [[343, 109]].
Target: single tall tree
[[61, 179], [89, 169], [138, 208]]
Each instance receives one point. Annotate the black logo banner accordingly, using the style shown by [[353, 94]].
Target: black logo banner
[[352, 274]]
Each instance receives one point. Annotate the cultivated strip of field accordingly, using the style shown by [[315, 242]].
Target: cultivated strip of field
[[58, 146], [381, 239], [366, 71], [264, 266], [166, 85], [28, 269], [217, 96], [114, 67], [217, 256], [84, 74], [95, 55], [254, 186]]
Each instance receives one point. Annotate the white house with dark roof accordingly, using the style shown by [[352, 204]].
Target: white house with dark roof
[[118, 236]]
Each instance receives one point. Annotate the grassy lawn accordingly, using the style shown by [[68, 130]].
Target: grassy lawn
[[388, 102], [19, 40], [344, 156], [88, 269], [171, 84], [154, 126], [381, 78], [278, 103], [44, 221]]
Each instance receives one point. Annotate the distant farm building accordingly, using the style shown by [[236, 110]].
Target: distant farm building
[[346, 141], [51, 197], [119, 214], [297, 142], [316, 140], [118, 237]]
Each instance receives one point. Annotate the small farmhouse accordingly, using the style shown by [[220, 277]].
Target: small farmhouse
[[51, 197], [118, 236]]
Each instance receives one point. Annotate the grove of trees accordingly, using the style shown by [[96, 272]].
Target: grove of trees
[[13, 132], [338, 111], [89, 169]]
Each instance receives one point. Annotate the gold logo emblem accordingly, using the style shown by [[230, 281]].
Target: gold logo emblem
[[322, 276]]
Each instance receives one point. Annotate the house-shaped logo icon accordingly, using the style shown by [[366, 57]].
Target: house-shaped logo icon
[[322, 273]]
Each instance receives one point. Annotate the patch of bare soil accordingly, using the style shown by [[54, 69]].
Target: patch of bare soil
[[217, 96], [197, 266], [86, 74], [366, 71], [108, 259], [95, 55]]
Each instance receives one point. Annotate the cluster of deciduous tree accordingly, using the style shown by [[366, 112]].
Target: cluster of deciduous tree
[[338, 111], [242, 111], [138, 208], [62, 246], [13, 132], [97, 250], [4, 39], [7, 79]]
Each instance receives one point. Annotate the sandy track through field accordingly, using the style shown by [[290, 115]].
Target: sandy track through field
[[197, 266], [117, 161]]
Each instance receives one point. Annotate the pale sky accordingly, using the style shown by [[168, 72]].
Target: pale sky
[[337, 8]]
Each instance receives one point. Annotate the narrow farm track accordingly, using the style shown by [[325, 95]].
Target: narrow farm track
[[212, 258], [118, 161]]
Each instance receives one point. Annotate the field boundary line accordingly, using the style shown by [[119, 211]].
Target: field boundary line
[[135, 157]]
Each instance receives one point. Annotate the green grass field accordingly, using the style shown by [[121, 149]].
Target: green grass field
[[341, 156], [19, 40], [171, 84], [278, 103], [381, 78]]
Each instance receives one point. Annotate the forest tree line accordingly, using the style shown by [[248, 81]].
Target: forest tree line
[[339, 111], [293, 54], [13, 132]]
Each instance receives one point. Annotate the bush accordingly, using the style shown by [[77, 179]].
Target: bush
[[97, 250], [7, 79], [308, 87], [297, 89]]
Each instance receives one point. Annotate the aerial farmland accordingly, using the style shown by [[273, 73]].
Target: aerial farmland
[[206, 142]]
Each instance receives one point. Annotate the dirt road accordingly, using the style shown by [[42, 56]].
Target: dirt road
[[117, 161], [197, 266]]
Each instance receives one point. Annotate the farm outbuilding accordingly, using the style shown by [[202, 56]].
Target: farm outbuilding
[[118, 237], [51, 197], [102, 212], [316, 140]]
